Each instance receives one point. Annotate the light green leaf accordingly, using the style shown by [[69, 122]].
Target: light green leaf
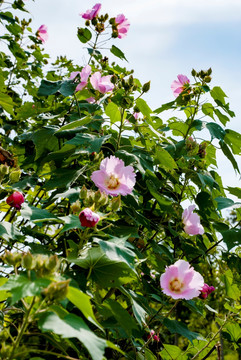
[[113, 112], [117, 52], [7, 103], [164, 159]]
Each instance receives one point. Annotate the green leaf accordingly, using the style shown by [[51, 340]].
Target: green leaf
[[229, 155], [116, 250], [232, 290], [91, 143], [75, 124], [44, 140], [218, 94], [139, 313], [231, 237], [216, 131], [207, 180], [165, 203], [84, 35], [171, 352], [233, 139], [164, 107], [82, 302], [164, 159], [223, 202], [7, 103], [106, 272], [48, 87], [7, 16], [9, 231], [67, 88], [20, 287], [208, 109], [236, 191], [123, 318], [37, 215], [143, 107], [113, 112], [222, 118], [177, 327], [73, 326], [70, 222], [117, 52], [234, 330]]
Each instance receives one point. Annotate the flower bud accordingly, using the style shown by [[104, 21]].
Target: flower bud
[[194, 73], [97, 195], [103, 200], [13, 259], [14, 176], [28, 261], [207, 79], [146, 87], [15, 200], [87, 23], [83, 192], [75, 207], [4, 170], [88, 218], [57, 290], [52, 263], [115, 203]]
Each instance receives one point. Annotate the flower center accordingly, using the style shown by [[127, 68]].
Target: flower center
[[176, 285], [112, 182]]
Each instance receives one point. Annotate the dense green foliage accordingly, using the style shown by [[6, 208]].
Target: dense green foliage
[[74, 292]]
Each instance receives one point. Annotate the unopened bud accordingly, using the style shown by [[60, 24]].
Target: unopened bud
[[83, 192], [207, 79], [209, 71], [97, 195], [115, 203], [57, 290], [75, 207], [52, 263], [13, 259], [87, 23], [14, 176], [4, 170], [103, 200], [194, 73], [146, 87], [28, 261]]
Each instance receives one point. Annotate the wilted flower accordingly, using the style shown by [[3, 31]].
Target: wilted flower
[[206, 290], [101, 83], [180, 281], [88, 218], [114, 177], [15, 200], [42, 33], [192, 222], [92, 13], [84, 75], [122, 25], [179, 85]]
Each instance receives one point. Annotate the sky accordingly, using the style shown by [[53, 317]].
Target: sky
[[166, 38]]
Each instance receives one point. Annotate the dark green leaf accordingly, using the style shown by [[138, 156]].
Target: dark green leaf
[[216, 131], [177, 327], [84, 35], [49, 87], [229, 155], [223, 202]]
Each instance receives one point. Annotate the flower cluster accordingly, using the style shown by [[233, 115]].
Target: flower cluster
[[206, 290]]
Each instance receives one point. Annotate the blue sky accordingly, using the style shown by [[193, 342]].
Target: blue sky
[[166, 38]]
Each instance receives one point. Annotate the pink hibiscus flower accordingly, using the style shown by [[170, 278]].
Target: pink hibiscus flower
[[88, 218], [114, 177], [84, 75], [101, 83], [92, 13], [179, 85], [42, 33], [122, 25], [191, 222], [180, 281]]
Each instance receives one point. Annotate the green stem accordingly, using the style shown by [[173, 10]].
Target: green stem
[[120, 129], [94, 47], [49, 353], [22, 329]]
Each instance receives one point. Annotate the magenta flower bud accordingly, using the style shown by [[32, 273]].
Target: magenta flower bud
[[191, 222], [114, 178], [15, 200], [92, 13], [181, 281], [101, 83], [206, 290], [179, 85], [88, 218], [122, 25], [42, 33], [156, 338]]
